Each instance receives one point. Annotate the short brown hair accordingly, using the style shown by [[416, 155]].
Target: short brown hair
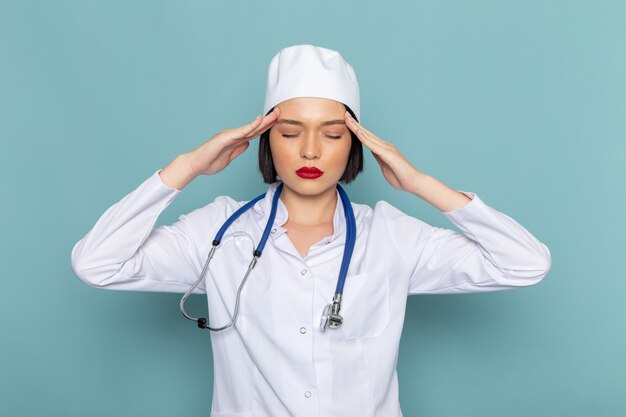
[[353, 167]]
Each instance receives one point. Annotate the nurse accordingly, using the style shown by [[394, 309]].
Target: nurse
[[275, 360]]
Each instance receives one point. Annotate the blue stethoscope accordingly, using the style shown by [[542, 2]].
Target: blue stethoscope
[[330, 315]]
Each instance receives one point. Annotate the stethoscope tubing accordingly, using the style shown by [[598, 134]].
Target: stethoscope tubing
[[345, 262]]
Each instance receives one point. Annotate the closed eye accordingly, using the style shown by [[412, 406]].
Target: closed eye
[[293, 136]]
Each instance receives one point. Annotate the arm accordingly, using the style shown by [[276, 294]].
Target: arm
[[123, 250], [436, 193], [494, 252]]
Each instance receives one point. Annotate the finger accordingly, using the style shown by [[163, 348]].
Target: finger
[[257, 128], [366, 134], [267, 123], [369, 136], [366, 139], [242, 131]]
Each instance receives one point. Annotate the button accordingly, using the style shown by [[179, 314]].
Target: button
[[307, 394], [303, 272], [327, 242], [303, 330], [273, 231]]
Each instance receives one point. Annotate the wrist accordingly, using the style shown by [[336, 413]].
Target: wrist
[[419, 183], [178, 173], [187, 162]]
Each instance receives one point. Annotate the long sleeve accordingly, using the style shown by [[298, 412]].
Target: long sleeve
[[123, 250], [493, 253]]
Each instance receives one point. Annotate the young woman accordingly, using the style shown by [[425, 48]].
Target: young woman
[[300, 344]]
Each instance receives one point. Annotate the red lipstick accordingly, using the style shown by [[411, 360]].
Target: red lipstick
[[309, 173]]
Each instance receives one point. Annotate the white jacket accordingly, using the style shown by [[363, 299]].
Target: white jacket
[[275, 361]]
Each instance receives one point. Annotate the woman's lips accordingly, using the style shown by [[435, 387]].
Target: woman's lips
[[309, 172]]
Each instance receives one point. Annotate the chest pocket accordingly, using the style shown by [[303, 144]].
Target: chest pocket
[[365, 304]]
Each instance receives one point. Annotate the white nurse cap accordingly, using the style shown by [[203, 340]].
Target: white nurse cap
[[311, 71]]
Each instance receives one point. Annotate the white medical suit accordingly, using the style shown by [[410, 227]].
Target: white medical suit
[[275, 361]]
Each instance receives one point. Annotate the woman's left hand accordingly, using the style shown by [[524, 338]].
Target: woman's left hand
[[396, 169]]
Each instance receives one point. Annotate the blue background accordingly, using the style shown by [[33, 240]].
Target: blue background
[[522, 102]]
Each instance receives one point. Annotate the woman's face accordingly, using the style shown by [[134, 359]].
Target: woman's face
[[310, 132]]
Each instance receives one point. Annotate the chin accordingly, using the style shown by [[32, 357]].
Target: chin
[[308, 186]]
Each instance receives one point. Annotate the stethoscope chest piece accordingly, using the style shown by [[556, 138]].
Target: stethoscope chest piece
[[330, 315]]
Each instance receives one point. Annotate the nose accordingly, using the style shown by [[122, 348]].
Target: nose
[[310, 146]]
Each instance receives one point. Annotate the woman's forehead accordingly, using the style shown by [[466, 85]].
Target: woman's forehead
[[311, 109]]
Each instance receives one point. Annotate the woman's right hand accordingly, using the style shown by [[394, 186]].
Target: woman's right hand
[[216, 153]]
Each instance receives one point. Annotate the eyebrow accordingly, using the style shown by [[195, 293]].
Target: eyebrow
[[299, 123]]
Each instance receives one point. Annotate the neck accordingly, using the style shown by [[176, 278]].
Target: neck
[[309, 210]]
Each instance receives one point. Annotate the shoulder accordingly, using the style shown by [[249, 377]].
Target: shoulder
[[221, 207], [381, 210], [388, 218]]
